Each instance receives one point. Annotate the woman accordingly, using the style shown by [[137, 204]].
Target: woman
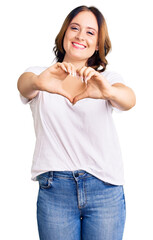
[[77, 158]]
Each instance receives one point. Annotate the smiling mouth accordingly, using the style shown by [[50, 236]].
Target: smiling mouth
[[78, 46]]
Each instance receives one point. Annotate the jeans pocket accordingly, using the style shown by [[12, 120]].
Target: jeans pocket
[[45, 182], [108, 184]]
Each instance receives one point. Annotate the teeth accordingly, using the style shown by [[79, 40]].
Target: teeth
[[78, 45]]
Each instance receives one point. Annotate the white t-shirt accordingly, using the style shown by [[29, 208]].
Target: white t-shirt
[[80, 136]]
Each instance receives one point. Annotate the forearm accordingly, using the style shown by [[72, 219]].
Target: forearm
[[27, 85], [122, 97]]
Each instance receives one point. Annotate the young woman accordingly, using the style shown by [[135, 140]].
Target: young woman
[[77, 158]]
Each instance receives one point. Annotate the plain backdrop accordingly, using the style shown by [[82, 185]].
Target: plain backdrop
[[28, 30]]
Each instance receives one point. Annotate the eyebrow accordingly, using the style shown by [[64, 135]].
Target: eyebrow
[[87, 26]]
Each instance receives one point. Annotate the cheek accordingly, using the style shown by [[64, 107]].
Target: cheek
[[93, 43], [66, 39]]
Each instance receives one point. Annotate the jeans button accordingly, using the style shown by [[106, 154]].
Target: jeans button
[[77, 174]]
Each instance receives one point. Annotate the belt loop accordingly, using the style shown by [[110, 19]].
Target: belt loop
[[51, 174]]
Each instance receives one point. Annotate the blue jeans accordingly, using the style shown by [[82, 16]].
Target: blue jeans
[[75, 205]]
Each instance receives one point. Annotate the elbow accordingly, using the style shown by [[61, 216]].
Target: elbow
[[21, 83], [132, 101], [18, 84]]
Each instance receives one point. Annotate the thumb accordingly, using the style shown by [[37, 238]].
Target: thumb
[[80, 96], [66, 94]]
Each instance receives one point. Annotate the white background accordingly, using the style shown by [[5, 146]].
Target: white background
[[28, 29]]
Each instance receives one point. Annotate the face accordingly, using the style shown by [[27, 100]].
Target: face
[[81, 37]]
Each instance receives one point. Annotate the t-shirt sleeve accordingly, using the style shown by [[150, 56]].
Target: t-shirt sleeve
[[114, 77], [36, 70]]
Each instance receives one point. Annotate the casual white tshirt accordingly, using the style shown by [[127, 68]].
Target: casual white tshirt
[[80, 136]]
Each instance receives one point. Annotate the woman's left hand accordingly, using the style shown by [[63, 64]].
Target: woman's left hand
[[96, 85]]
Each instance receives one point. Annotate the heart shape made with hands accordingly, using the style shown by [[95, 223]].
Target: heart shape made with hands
[[73, 85]]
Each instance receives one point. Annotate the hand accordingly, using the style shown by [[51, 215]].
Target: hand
[[96, 85], [52, 78]]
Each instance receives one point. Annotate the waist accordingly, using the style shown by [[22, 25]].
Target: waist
[[66, 174]]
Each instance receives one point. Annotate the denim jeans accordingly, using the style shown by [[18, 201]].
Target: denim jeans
[[75, 205]]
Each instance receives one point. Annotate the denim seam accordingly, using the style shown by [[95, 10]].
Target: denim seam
[[73, 177], [84, 189]]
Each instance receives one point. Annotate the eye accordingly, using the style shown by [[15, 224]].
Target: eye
[[91, 33], [74, 28]]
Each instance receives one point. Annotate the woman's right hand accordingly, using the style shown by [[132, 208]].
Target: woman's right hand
[[51, 79]]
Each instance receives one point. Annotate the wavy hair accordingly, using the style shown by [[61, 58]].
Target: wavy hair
[[98, 59]]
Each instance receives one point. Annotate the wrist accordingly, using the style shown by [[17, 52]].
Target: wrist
[[112, 93], [109, 93]]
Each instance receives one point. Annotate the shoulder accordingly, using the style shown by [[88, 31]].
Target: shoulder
[[113, 77], [35, 69]]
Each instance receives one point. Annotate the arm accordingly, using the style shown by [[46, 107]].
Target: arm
[[27, 85], [119, 95], [50, 80], [122, 97]]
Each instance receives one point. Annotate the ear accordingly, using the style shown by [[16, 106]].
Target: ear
[[97, 48]]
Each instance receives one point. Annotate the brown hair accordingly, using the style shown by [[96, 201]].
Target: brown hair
[[104, 44]]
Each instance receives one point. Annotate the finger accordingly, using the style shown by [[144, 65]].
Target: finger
[[88, 73], [67, 95], [60, 65], [89, 76], [80, 96], [64, 66], [73, 70], [70, 68], [80, 71]]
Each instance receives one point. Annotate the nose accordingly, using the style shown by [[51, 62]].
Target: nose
[[80, 36]]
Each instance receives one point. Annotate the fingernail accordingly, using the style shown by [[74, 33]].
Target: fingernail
[[77, 75], [82, 79], [86, 79]]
